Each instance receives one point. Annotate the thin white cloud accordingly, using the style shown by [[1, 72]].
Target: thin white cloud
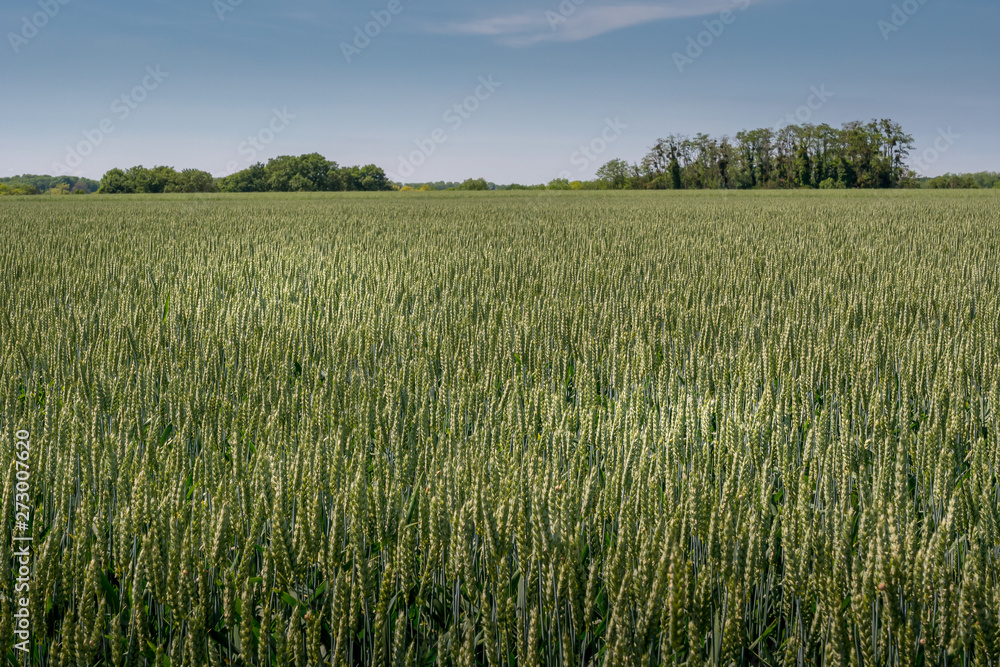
[[584, 21]]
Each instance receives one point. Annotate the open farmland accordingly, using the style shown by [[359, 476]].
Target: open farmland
[[504, 429]]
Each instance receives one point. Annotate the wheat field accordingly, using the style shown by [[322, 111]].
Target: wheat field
[[503, 429]]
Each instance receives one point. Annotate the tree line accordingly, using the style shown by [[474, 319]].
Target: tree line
[[33, 184], [158, 180], [304, 173], [980, 180], [857, 155]]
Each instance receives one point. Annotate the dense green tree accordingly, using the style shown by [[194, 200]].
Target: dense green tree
[[368, 178], [675, 173], [983, 179], [46, 183], [305, 173], [846, 173], [159, 179], [952, 182], [615, 173], [192, 180], [115, 182], [657, 162], [474, 184], [280, 173], [897, 145], [251, 179], [139, 180], [867, 155], [803, 166], [725, 158]]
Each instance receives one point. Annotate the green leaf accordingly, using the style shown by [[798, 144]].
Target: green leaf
[[411, 511], [110, 591], [290, 599], [766, 634]]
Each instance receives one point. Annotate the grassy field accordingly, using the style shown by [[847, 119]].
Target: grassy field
[[502, 428]]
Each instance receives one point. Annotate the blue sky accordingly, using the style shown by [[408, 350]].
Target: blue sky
[[235, 82]]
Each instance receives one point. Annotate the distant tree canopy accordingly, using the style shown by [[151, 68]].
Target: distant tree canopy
[[983, 179], [17, 189], [518, 186], [615, 173], [251, 179], [68, 184], [468, 184], [858, 155], [436, 185], [474, 184], [139, 180], [364, 179], [305, 173]]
